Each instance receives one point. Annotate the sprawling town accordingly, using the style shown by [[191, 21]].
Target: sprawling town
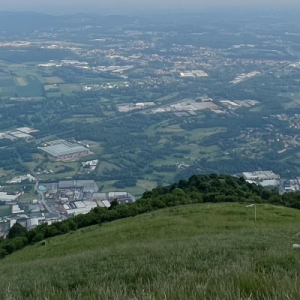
[[106, 108]]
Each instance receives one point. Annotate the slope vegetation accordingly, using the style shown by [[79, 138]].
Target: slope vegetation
[[196, 251]]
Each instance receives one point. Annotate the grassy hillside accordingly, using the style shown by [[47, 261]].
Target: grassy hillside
[[199, 251]]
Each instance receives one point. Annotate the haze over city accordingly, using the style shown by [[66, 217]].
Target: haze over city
[[120, 6]]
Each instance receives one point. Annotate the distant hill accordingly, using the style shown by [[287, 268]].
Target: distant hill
[[19, 22], [14, 14]]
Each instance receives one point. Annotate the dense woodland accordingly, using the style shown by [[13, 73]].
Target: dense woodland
[[197, 189]]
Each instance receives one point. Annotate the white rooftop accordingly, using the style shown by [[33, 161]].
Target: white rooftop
[[64, 148], [116, 194], [16, 209], [33, 222], [79, 204], [19, 134], [106, 203], [5, 197], [269, 183], [26, 129], [261, 175]]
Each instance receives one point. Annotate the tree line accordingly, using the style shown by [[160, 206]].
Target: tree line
[[197, 189]]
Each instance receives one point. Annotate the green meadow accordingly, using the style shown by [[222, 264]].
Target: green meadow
[[203, 251]]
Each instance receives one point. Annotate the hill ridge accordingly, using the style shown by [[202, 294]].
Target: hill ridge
[[197, 189], [197, 251]]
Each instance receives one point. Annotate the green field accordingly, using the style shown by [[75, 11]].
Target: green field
[[53, 94], [29, 196], [172, 129], [51, 80], [204, 251], [4, 172], [104, 165], [199, 134], [26, 86], [58, 170], [146, 185], [38, 158], [84, 119], [191, 143], [257, 109], [137, 191], [69, 89], [168, 97], [5, 210]]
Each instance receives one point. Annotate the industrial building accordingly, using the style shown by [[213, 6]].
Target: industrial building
[[292, 185], [8, 198], [19, 133], [86, 186], [65, 150], [26, 130], [121, 197], [193, 74], [81, 196], [19, 179], [270, 183], [126, 107], [79, 207], [263, 178], [16, 209], [261, 175]]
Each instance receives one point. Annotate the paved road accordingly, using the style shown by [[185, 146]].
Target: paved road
[[41, 195], [42, 199], [295, 140]]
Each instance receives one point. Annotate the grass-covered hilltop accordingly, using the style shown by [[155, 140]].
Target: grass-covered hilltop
[[197, 239]]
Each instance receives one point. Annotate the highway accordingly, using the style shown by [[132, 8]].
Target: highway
[[41, 195]]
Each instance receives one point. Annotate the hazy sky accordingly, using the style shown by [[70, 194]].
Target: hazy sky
[[63, 6]]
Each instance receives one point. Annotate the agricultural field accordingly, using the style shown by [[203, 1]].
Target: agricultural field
[[69, 89], [53, 95], [51, 88], [27, 86], [20, 81], [106, 166], [37, 159], [168, 97], [137, 191], [61, 170], [198, 134], [28, 196], [256, 109], [3, 172], [5, 210], [51, 80], [173, 129]]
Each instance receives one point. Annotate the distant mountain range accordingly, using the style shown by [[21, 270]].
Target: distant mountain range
[[19, 22]]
